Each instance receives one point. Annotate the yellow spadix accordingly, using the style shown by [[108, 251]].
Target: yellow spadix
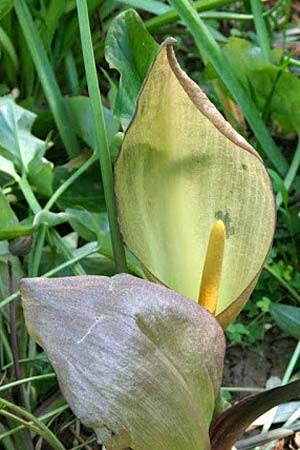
[[212, 271]]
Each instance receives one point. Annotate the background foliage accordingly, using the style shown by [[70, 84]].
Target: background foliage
[[54, 221]]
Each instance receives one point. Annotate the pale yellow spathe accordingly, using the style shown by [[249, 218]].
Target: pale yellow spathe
[[181, 168]]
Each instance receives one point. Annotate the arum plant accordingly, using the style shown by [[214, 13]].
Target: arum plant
[[137, 361]]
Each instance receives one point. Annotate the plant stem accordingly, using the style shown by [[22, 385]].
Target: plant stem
[[44, 417], [286, 285], [56, 238], [29, 195], [70, 181], [291, 366], [101, 136], [291, 173], [37, 427], [48, 376], [285, 379], [242, 389], [37, 251], [14, 338], [52, 272], [58, 242]]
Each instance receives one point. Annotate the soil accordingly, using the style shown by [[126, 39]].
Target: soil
[[254, 368]]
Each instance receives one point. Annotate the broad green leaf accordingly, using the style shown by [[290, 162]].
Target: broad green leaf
[[95, 227], [182, 167], [7, 167], [138, 363], [22, 148], [7, 216], [83, 118], [287, 318], [10, 226], [230, 424], [130, 49], [90, 226], [274, 89]]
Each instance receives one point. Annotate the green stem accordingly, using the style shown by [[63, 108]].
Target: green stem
[[291, 290], [218, 59], [291, 366], [5, 344], [29, 195], [101, 136], [47, 78], [58, 242], [25, 424], [293, 61], [69, 182], [52, 272], [54, 236], [37, 251], [242, 389], [48, 376], [291, 173], [286, 378], [38, 426], [44, 417]]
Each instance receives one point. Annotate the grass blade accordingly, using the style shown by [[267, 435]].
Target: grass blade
[[171, 16], [101, 136], [261, 29], [36, 426], [47, 78]]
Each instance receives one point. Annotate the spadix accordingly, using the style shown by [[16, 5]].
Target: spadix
[[212, 271]]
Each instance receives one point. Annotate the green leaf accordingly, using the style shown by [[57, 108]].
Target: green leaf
[[5, 7], [182, 167], [10, 226], [7, 167], [274, 89], [90, 226], [287, 318], [86, 192], [230, 424], [22, 148], [40, 175], [7, 216], [130, 49], [133, 359], [95, 227], [81, 110]]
